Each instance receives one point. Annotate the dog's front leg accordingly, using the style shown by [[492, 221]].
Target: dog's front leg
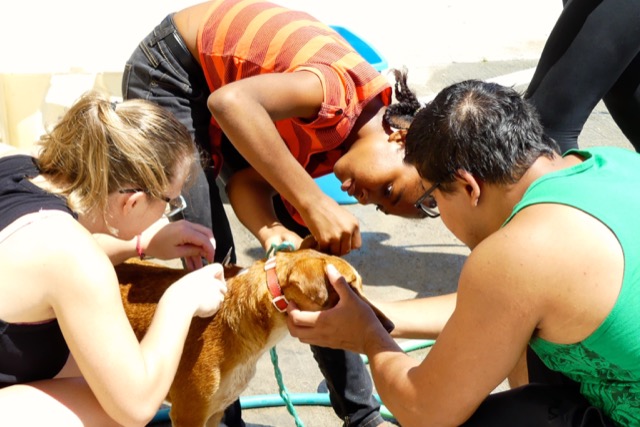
[[189, 415], [215, 420]]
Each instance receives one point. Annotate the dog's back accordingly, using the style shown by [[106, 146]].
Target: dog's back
[[221, 352]]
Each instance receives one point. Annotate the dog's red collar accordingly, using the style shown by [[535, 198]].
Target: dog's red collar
[[278, 299]]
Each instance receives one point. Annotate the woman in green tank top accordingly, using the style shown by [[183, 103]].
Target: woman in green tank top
[[553, 274]]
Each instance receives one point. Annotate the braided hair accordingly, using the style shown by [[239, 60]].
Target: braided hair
[[401, 114]]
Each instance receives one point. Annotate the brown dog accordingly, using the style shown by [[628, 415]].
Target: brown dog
[[221, 352]]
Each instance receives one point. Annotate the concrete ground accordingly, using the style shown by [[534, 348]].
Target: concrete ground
[[402, 258]]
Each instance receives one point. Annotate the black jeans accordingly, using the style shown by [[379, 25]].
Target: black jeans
[[550, 399], [156, 72]]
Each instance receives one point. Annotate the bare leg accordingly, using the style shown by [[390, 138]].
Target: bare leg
[[65, 402]]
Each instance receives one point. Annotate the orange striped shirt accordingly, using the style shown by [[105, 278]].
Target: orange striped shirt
[[239, 39]]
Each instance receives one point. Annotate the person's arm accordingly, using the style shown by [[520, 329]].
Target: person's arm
[[478, 347], [246, 111], [164, 240], [409, 318], [251, 199], [130, 379]]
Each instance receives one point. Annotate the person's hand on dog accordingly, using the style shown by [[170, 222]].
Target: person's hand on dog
[[181, 239], [277, 234], [350, 325], [336, 230], [201, 291]]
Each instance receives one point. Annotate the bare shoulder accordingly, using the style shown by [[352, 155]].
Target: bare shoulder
[[560, 240], [57, 246], [547, 255], [49, 265], [523, 259]]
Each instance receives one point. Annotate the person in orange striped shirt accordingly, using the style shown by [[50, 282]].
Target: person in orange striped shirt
[[276, 98]]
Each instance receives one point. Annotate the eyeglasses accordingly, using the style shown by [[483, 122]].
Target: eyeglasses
[[174, 206], [427, 204]]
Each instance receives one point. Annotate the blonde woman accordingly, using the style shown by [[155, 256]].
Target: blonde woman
[[67, 353]]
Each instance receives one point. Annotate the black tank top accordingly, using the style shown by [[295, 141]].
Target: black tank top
[[18, 196], [28, 352]]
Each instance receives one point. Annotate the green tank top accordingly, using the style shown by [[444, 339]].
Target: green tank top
[[607, 363]]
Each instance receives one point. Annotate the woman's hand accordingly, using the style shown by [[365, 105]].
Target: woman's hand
[[181, 239], [336, 230], [203, 289], [276, 234], [269, 98]]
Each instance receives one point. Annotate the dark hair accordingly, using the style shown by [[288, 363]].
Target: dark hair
[[483, 128], [400, 115]]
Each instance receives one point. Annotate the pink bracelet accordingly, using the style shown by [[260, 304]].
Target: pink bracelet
[[139, 247]]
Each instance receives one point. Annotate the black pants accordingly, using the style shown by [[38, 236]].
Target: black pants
[[550, 399], [592, 54]]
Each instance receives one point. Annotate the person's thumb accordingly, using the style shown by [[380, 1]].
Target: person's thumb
[[338, 282]]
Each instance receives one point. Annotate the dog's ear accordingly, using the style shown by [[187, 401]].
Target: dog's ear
[[310, 288], [384, 320], [303, 281], [354, 280]]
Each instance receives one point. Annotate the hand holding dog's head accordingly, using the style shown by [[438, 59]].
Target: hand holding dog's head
[[307, 284], [303, 280]]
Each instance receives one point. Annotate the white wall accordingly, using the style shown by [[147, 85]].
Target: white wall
[[77, 41], [56, 36]]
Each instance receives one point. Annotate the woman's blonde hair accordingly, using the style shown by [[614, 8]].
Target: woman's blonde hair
[[99, 147]]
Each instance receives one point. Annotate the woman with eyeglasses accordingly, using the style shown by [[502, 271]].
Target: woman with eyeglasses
[[68, 355]]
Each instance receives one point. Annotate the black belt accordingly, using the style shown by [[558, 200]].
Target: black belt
[[182, 54]]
